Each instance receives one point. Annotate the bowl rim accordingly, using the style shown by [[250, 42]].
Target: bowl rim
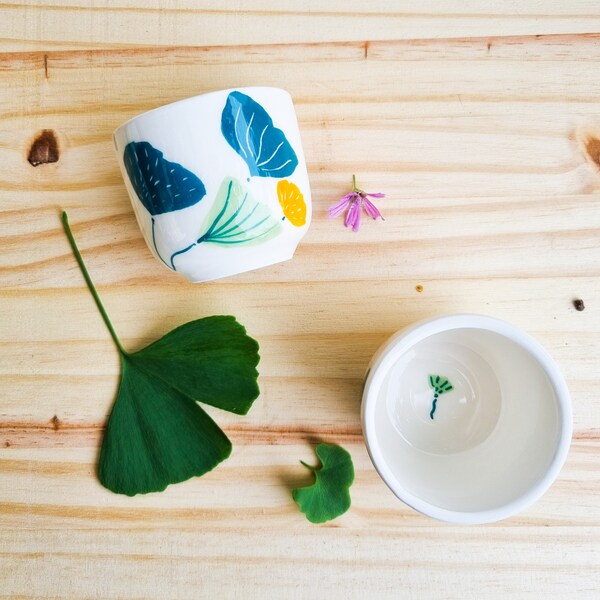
[[411, 335], [171, 106]]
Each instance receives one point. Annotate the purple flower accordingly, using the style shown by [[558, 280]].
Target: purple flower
[[354, 203]]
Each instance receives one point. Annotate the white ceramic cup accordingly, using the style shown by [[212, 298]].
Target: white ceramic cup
[[218, 182], [466, 418]]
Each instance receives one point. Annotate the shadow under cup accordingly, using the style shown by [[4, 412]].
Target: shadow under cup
[[218, 182], [466, 418]]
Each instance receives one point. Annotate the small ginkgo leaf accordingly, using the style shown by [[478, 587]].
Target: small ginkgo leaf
[[329, 496], [292, 202], [162, 186], [156, 433], [249, 130]]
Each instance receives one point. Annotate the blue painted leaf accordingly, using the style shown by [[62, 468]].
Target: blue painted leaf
[[249, 130], [162, 186]]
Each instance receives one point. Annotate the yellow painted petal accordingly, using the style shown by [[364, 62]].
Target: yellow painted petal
[[292, 202]]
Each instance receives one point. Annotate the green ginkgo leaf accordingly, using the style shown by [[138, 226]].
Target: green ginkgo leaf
[[329, 496], [157, 434]]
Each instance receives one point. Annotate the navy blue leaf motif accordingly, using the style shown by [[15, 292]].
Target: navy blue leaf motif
[[249, 130], [162, 186]]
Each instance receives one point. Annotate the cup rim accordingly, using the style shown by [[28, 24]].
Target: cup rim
[[408, 337], [182, 101]]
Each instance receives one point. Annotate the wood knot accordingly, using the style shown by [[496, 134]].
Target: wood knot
[[592, 147], [44, 148], [56, 423]]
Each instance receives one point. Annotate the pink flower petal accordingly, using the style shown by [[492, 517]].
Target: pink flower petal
[[353, 216], [340, 207], [371, 209], [377, 195]]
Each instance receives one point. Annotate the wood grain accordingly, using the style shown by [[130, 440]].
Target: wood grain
[[487, 151], [94, 24]]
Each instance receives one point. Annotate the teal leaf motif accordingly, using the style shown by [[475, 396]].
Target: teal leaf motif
[[440, 385], [235, 218], [249, 130], [162, 186]]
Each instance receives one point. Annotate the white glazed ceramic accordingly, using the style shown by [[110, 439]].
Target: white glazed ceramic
[[492, 444], [218, 182]]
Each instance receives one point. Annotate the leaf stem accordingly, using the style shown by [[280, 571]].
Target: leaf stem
[[313, 469], [88, 280]]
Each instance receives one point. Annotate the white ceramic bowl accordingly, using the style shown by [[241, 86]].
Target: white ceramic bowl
[[481, 447]]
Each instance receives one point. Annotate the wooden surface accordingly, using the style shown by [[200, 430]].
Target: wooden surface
[[488, 150]]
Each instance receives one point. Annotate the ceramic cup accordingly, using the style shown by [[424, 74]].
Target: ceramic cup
[[466, 418], [218, 182]]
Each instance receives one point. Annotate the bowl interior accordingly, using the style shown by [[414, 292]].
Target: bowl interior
[[465, 420]]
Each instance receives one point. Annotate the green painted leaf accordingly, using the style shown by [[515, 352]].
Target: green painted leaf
[[329, 496], [237, 218], [440, 384], [156, 433]]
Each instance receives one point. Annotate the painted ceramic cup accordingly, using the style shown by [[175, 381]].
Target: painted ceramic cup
[[466, 418], [218, 182]]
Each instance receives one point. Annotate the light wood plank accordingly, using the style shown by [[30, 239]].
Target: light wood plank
[[69, 24], [483, 149]]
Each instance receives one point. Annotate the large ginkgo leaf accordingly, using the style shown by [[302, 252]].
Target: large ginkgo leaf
[[157, 434]]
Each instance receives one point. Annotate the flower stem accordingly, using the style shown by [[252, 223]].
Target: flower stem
[[355, 189], [88, 280]]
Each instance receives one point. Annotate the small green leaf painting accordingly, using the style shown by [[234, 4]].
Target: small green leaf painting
[[440, 385], [162, 186], [157, 434], [249, 130], [235, 218], [329, 496]]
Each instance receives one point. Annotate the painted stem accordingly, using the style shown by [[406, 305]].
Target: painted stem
[[154, 242], [178, 253], [433, 407], [88, 280]]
